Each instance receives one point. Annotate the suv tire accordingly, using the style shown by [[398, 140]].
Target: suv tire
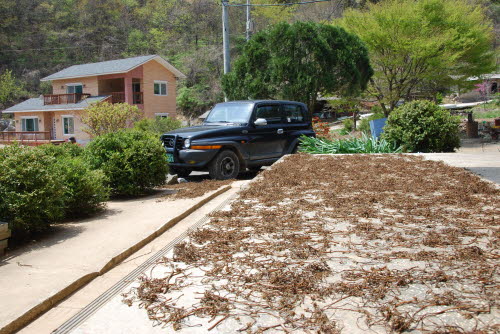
[[224, 166], [180, 172]]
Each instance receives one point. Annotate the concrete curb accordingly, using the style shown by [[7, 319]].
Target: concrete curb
[[55, 299]]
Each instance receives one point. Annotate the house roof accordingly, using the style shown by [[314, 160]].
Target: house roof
[[110, 67], [490, 76], [36, 104]]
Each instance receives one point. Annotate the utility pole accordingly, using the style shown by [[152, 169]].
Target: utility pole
[[225, 39], [249, 21], [225, 36]]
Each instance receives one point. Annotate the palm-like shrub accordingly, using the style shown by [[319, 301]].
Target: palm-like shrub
[[346, 146]]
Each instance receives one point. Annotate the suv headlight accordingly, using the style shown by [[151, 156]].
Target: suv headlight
[[187, 143]]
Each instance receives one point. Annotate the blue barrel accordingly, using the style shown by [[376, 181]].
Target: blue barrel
[[377, 127]]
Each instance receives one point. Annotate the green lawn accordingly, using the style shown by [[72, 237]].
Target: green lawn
[[489, 110]]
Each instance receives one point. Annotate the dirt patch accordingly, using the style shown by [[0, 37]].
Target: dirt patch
[[194, 189], [329, 244]]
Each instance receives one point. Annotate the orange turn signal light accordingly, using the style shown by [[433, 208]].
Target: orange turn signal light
[[206, 147]]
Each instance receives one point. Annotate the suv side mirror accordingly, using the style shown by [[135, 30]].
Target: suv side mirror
[[260, 122]]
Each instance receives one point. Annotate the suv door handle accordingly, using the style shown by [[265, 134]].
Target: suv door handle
[[280, 131]]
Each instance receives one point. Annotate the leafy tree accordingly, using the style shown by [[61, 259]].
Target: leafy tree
[[412, 43], [158, 126], [349, 105], [101, 118], [297, 62], [190, 102], [10, 89]]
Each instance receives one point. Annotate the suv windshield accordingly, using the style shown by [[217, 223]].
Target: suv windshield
[[230, 113]]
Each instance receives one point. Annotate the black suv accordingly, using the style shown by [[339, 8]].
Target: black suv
[[238, 135]]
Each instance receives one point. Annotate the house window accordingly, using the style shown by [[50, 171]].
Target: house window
[[160, 88], [161, 115], [68, 125], [74, 88], [29, 124]]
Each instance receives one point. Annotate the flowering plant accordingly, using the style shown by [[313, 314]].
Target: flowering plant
[[322, 129]]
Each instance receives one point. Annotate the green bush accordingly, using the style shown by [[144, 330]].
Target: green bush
[[158, 125], [348, 125], [85, 189], [31, 190], [62, 150], [134, 161], [40, 186], [422, 126]]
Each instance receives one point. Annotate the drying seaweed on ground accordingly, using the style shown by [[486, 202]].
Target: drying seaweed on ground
[[333, 244], [194, 189]]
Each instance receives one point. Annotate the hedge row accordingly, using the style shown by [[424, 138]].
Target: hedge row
[[44, 185]]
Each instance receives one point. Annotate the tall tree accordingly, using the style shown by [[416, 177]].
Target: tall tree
[[297, 62], [11, 90], [412, 43]]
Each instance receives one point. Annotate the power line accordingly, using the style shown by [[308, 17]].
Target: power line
[[61, 48], [273, 4]]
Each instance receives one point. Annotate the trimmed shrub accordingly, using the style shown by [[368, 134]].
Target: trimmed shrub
[[85, 189], [158, 126], [134, 161], [62, 150], [31, 190], [422, 126]]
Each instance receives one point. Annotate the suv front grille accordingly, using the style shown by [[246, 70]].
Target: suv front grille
[[169, 142]]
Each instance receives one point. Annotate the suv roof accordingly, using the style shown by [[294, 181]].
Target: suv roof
[[262, 101]]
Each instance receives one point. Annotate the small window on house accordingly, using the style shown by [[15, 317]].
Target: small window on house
[[160, 88], [68, 125], [161, 115], [76, 88], [29, 124]]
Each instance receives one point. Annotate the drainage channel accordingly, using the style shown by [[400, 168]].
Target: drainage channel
[[95, 305]]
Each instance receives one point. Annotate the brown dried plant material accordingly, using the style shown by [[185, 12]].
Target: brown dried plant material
[[401, 242], [194, 189]]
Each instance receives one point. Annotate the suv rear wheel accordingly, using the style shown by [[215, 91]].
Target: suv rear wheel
[[225, 166]]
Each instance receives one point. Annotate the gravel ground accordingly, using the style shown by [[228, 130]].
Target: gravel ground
[[338, 244]]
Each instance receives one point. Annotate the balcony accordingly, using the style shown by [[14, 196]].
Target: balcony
[[28, 138], [64, 98], [119, 97]]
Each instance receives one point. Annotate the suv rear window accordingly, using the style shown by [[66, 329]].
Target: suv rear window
[[293, 113], [271, 113]]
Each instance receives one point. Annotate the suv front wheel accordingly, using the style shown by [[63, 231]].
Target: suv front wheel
[[225, 166]]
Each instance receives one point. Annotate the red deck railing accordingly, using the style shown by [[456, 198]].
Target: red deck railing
[[29, 138], [64, 98]]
